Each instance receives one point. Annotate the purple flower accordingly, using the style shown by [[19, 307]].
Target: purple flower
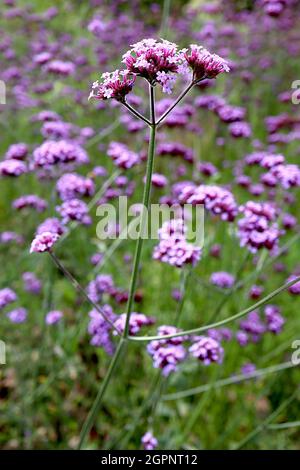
[[12, 167], [7, 296], [102, 284], [54, 152], [30, 200], [248, 368], [122, 156], [17, 315], [222, 279], [71, 185], [74, 209], [207, 350], [43, 242], [136, 322], [253, 326], [53, 317], [173, 247], [52, 224], [149, 441], [17, 152], [240, 129], [114, 85], [59, 67], [31, 283], [167, 353], [255, 292], [217, 200], [205, 64], [100, 330], [295, 288], [274, 320], [8, 237]]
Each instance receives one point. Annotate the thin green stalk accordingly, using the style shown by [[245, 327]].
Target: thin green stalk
[[97, 403], [288, 425], [221, 322], [136, 113], [165, 19], [146, 201], [78, 287], [228, 381]]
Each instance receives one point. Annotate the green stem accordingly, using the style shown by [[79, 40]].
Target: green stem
[[221, 322], [228, 381], [78, 287], [146, 201], [87, 426]]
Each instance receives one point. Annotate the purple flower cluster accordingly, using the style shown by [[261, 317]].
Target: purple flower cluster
[[207, 350], [100, 330], [136, 322], [30, 200], [43, 242], [114, 85], [12, 167], [173, 247], [53, 317], [204, 64], [122, 156], [60, 67], [72, 185], [253, 326], [102, 284], [217, 200], [149, 442], [31, 283], [222, 279], [257, 229], [74, 210], [52, 224], [18, 315], [54, 152], [7, 296], [16, 152], [167, 353]]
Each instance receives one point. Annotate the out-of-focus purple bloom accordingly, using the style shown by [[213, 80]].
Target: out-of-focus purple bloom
[[53, 317], [16, 152], [295, 288], [167, 353], [102, 284], [207, 350], [17, 315], [136, 322], [12, 167], [52, 224], [60, 67], [248, 368], [8, 237], [74, 209], [30, 200], [122, 156], [100, 330], [255, 292], [54, 152], [173, 247], [31, 283], [222, 279], [43, 242], [7, 296], [274, 320], [71, 185], [149, 442], [240, 129]]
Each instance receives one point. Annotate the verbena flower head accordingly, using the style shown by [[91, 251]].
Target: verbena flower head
[[53, 317], [207, 350], [43, 242], [114, 85], [54, 152], [122, 156], [7, 296], [156, 61], [100, 330], [136, 322], [205, 64], [12, 167], [17, 315], [31, 283], [149, 442]]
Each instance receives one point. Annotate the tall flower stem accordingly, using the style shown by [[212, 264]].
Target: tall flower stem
[[237, 316], [146, 202], [97, 403], [136, 263]]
